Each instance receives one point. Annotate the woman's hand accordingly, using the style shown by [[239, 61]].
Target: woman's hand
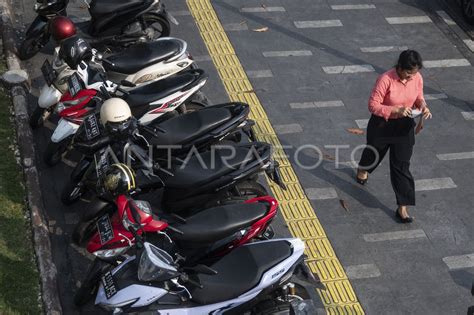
[[402, 111], [426, 113]]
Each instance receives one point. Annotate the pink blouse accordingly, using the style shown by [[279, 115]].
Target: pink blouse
[[390, 91]]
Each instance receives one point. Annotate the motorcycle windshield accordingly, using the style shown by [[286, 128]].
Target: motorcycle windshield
[[155, 265]]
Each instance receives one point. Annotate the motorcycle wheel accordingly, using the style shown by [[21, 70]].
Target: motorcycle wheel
[[54, 151], [191, 106], [36, 118], [72, 191], [160, 25], [272, 307], [89, 285], [83, 232], [468, 11], [31, 46]]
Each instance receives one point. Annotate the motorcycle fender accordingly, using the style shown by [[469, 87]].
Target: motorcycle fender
[[64, 129], [49, 96], [37, 27]]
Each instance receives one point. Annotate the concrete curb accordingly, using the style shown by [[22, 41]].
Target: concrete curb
[[39, 224]]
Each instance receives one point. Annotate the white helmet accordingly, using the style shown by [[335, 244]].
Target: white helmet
[[114, 110]]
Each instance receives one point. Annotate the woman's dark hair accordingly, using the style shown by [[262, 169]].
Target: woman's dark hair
[[409, 60]]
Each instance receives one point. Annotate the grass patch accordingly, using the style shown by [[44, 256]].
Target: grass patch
[[19, 280]]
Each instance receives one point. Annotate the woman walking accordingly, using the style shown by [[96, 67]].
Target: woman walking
[[391, 126]]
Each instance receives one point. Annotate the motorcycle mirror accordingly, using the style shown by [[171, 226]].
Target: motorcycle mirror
[[127, 83]]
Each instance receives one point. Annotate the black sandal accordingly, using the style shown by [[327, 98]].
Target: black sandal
[[360, 180], [403, 220]]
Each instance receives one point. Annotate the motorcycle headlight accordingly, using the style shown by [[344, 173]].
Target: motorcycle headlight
[[108, 253], [143, 206]]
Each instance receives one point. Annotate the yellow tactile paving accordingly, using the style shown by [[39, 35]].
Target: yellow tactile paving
[[337, 295]]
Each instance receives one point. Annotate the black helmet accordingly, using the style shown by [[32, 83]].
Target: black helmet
[[119, 179], [74, 50]]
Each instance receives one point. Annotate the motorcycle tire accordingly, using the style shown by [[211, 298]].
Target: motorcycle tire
[[31, 46], [83, 231], [191, 106], [200, 98], [72, 191], [89, 285], [54, 151], [36, 118], [468, 11], [152, 20], [272, 307]]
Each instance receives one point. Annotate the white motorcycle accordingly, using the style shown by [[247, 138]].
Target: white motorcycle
[[255, 278], [133, 67], [161, 99]]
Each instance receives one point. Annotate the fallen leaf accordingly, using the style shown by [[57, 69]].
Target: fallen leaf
[[356, 131], [263, 29], [328, 157], [243, 22], [264, 6], [344, 204]]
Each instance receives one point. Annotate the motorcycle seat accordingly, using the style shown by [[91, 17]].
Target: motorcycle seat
[[198, 170], [183, 129], [160, 89], [140, 56], [239, 271], [103, 7], [218, 223]]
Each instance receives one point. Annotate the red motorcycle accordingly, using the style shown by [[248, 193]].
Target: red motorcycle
[[200, 238]]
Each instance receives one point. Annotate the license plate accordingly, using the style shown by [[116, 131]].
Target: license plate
[[109, 285], [106, 232], [74, 84], [91, 127], [48, 72]]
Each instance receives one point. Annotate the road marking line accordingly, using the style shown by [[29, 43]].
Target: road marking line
[[337, 295], [434, 184], [318, 24], [455, 156], [378, 49], [353, 6], [447, 19], [262, 9], [469, 43], [430, 97], [468, 115], [362, 123], [202, 58], [348, 69], [287, 129], [337, 103], [408, 19], [287, 53], [392, 236], [259, 74], [344, 165], [364, 271], [321, 193], [443, 63], [180, 13], [232, 27], [459, 262]]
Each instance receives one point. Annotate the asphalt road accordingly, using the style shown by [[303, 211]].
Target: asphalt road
[[299, 72]]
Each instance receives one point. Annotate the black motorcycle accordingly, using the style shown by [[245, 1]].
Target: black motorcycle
[[113, 23]]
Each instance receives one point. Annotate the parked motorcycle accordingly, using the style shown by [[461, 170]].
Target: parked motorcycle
[[113, 23], [140, 64], [200, 180], [148, 103], [255, 278]]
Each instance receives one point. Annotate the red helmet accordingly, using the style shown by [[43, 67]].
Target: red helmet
[[61, 28]]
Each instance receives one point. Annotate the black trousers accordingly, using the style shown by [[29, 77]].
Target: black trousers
[[396, 135]]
